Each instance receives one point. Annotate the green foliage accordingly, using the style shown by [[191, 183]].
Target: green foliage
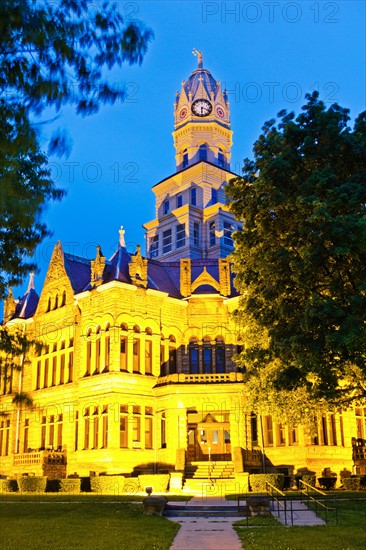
[[8, 486], [258, 482], [310, 479], [352, 483], [327, 483], [32, 484], [107, 485], [70, 485], [301, 260], [52, 54], [159, 482]]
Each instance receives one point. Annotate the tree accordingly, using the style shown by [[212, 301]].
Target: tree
[[51, 54], [300, 260]]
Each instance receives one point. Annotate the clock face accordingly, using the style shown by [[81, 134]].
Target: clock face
[[220, 111], [201, 107], [183, 113]]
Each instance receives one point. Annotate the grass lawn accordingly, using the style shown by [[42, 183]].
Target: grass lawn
[[349, 534], [87, 524]]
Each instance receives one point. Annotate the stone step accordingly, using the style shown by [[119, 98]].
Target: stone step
[[202, 511]]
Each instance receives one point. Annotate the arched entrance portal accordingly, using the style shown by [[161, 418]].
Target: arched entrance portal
[[209, 439]]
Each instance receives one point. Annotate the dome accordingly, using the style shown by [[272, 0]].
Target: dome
[[198, 76]]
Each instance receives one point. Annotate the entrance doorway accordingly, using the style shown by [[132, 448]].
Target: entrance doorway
[[209, 439]]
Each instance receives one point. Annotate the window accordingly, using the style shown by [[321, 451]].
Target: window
[[4, 437], [26, 434], [180, 235], [172, 359], [97, 352], [268, 430], [95, 428], [38, 377], [167, 241], [71, 366], [254, 428], [207, 356], [76, 440], [136, 428], [194, 196], [54, 370], [154, 246], [361, 422], [105, 427], [107, 350], [123, 427], [148, 357], [281, 435], [43, 433], [332, 430], [148, 428], [202, 152], [213, 195], [88, 354], [63, 299], [62, 368], [220, 159], [136, 355], [212, 234], [196, 234], [323, 431], [193, 357], [220, 356], [185, 158], [179, 201], [163, 431], [86, 428], [166, 207], [293, 437], [123, 353], [228, 230], [51, 432]]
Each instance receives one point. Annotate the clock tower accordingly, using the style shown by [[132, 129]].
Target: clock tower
[[192, 218]]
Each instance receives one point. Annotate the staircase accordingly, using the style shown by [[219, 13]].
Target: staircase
[[187, 510], [198, 476]]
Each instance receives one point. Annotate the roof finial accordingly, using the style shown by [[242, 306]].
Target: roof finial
[[122, 237], [198, 53], [31, 282]]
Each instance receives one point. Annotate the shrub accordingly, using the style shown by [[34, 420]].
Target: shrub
[[258, 481], [8, 485], [352, 483], [327, 483], [132, 486], [32, 484], [107, 485], [310, 479], [70, 485], [159, 482]]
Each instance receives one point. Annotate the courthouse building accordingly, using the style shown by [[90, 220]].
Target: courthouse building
[[137, 370]]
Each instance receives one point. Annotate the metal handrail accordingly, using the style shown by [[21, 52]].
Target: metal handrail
[[306, 492], [271, 490]]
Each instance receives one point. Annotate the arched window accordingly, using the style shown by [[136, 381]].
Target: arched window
[[136, 345], [107, 348], [207, 355], [48, 304], [88, 352], [220, 355], [63, 299], [56, 302], [172, 355], [202, 152], [220, 159], [97, 351], [148, 351], [123, 348], [193, 356]]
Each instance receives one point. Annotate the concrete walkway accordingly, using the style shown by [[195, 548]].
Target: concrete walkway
[[301, 515], [200, 533]]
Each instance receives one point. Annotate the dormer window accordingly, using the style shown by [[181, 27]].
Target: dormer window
[[179, 201], [166, 207]]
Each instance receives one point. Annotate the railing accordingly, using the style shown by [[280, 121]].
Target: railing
[[39, 457], [182, 378], [274, 493], [317, 504]]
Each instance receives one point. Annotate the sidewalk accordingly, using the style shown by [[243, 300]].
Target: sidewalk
[[200, 533]]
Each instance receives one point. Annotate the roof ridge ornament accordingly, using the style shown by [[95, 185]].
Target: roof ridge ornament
[[199, 55]]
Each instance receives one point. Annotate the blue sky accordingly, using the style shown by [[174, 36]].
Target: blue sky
[[267, 54]]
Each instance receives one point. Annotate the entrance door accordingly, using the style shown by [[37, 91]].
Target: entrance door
[[209, 440]]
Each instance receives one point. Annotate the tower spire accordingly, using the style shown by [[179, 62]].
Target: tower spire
[[199, 55]]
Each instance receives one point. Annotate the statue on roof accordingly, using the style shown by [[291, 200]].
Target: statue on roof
[[199, 55]]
